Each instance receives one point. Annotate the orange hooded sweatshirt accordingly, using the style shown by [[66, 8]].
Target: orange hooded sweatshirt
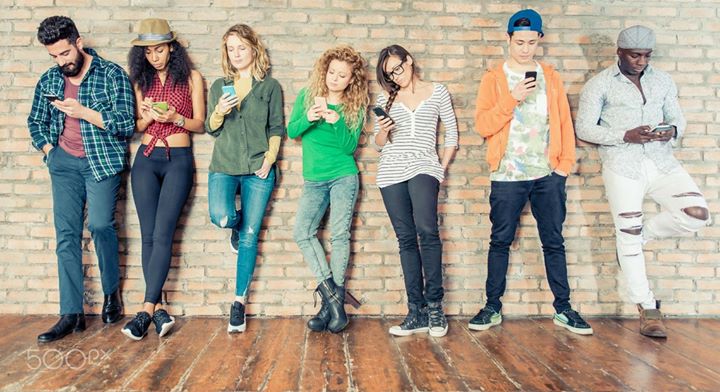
[[494, 112]]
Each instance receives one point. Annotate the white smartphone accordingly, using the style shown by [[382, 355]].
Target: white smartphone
[[322, 102]]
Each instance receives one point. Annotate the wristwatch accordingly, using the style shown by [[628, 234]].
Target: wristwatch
[[180, 122]]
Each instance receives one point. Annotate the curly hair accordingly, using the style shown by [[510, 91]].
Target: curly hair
[[142, 72], [356, 96], [383, 79], [56, 28], [261, 62]]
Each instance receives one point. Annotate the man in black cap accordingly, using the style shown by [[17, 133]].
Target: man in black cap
[[631, 110]]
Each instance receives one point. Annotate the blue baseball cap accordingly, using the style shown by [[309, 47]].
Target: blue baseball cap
[[530, 15]]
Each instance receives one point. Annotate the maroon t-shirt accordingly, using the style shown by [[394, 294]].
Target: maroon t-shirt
[[71, 137]]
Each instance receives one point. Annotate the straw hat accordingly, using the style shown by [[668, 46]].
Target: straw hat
[[153, 32]]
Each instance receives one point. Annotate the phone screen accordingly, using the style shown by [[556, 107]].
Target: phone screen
[[380, 112], [531, 75], [228, 90], [51, 97]]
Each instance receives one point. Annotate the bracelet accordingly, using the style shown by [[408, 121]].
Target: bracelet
[[180, 122]]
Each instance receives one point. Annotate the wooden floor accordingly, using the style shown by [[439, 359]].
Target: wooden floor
[[281, 355]]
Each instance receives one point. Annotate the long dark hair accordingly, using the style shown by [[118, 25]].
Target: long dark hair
[[142, 72], [383, 79]]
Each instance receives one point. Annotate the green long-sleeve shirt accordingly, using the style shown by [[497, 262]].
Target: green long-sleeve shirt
[[328, 149]]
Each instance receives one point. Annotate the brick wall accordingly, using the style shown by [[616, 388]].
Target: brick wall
[[454, 42]]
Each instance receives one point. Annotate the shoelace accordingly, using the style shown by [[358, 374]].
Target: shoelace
[[437, 317], [574, 316]]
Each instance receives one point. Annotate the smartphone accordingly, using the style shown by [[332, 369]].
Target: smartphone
[[531, 74], [50, 97], [322, 102], [663, 128], [160, 106], [381, 112], [228, 90]]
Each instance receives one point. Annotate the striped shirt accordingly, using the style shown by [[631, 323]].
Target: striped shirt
[[413, 149], [105, 89]]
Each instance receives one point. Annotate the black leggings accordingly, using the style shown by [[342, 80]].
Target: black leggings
[[160, 189]]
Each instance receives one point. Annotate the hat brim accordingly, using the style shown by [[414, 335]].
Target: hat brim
[[139, 42]]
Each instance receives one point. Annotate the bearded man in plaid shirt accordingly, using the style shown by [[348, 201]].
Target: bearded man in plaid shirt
[[82, 114]]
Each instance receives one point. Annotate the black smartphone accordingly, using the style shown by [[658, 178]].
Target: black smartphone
[[531, 75], [50, 97], [662, 128], [380, 112]]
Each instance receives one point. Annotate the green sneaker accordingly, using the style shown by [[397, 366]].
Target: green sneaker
[[571, 320], [487, 318]]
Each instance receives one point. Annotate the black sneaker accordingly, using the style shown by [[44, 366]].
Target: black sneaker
[[571, 320], [416, 321], [137, 328], [235, 240], [438, 323], [237, 318], [163, 322], [486, 318]]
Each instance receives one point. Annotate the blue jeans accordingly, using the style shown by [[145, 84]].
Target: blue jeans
[[547, 201], [340, 194], [254, 196], [73, 185]]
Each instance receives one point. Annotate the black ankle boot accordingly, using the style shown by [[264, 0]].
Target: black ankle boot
[[335, 298], [67, 324], [112, 308], [320, 321]]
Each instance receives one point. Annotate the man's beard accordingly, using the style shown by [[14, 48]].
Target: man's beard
[[74, 68]]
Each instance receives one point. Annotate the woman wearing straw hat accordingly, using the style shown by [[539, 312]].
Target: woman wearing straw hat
[[245, 115], [170, 104]]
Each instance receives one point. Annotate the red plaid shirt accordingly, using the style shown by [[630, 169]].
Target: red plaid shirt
[[176, 95]]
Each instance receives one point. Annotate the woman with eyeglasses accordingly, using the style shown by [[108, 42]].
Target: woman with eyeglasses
[[409, 177], [329, 115]]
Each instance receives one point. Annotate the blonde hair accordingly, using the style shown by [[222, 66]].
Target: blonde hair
[[261, 61], [356, 96]]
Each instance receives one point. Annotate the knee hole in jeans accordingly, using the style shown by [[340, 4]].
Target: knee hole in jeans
[[634, 230], [688, 194], [634, 214], [700, 213]]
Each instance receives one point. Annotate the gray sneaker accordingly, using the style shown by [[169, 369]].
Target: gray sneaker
[[437, 321], [416, 321]]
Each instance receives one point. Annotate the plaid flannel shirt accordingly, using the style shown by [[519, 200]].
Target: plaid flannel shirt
[[105, 89]]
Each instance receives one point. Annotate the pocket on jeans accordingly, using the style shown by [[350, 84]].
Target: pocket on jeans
[[48, 156]]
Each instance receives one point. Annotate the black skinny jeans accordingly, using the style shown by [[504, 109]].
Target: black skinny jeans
[[412, 208], [160, 189], [547, 201]]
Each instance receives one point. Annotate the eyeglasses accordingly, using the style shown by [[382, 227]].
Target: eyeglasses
[[396, 71]]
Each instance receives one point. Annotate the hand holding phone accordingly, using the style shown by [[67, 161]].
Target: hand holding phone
[[160, 106], [380, 112], [229, 90], [531, 75]]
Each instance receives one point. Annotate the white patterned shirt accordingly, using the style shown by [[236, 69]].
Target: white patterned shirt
[[610, 105], [413, 149]]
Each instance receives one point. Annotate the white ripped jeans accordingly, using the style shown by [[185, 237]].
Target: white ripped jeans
[[684, 210]]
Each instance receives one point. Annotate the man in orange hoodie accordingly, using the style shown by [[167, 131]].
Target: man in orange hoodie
[[523, 112]]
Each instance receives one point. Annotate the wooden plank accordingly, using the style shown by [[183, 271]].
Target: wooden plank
[[263, 356], [576, 370], [126, 357], [425, 363], [612, 359], [40, 360], [19, 340], [703, 353], [166, 369], [673, 369], [219, 367], [324, 365], [285, 373], [520, 365], [701, 330], [375, 362], [477, 369]]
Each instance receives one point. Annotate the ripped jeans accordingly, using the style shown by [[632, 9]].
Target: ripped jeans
[[683, 210], [254, 196]]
